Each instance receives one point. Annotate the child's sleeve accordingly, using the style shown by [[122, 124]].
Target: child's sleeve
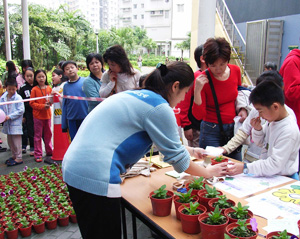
[[277, 160], [19, 110], [258, 136]]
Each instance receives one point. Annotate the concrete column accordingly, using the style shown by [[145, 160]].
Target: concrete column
[[25, 23], [203, 24], [7, 31]]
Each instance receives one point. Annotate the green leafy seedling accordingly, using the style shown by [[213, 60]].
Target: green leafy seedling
[[197, 183], [192, 210], [160, 193], [211, 192], [185, 197]]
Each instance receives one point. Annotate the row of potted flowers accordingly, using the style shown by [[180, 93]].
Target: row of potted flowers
[[204, 209], [35, 198]]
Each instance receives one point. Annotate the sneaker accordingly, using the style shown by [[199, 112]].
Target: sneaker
[[23, 151], [38, 160], [31, 153]]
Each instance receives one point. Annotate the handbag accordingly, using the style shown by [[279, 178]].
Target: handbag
[[224, 138]]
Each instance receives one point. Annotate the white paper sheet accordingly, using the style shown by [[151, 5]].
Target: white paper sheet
[[213, 151], [283, 201], [289, 224], [242, 185]]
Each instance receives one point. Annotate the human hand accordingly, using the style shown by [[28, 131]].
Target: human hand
[[243, 113], [188, 134], [198, 153], [47, 105], [200, 82], [23, 120], [6, 118], [256, 123], [217, 170], [236, 168], [112, 76], [224, 150]]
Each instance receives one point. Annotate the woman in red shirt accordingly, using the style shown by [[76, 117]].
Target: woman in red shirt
[[226, 78]]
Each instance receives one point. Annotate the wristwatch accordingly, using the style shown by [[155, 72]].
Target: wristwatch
[[245, 170]]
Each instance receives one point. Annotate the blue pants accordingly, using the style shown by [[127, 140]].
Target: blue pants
[[73, 127], [210, 136]]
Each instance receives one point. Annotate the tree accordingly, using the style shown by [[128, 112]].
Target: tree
[[184, 45], [149, 44]]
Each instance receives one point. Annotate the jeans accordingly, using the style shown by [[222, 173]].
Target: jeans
[[73, 127], [210, 136]]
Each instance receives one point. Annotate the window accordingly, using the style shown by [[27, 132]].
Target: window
[[152, 12], [167, 14], [134, 5], [142, 5], [142, 16], [134, 16], [161, 12], [180, 7], [166, 0]]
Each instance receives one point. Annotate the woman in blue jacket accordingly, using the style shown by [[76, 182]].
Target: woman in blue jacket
[[115, 135]]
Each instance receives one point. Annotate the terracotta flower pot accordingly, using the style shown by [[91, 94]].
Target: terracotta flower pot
[[232, 220], [190, 223], [64, 221], [271, 234], [204, 200], [40, 228], [194, 191], [25, 231], [162, 207], [51, 224], [234, 225], [211, 231], [178, 204], [212, 201], [73, 218], [213, 162], [12, 234], [299, 227]]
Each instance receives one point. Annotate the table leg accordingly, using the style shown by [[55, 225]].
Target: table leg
[[134, 231], [124, 221]]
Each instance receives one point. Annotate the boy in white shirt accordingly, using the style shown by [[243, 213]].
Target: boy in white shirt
[[280, 137]]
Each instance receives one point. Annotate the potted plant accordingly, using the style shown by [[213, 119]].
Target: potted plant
[[183, 199], [1, 233], [196, 185], [241, 229], [213, 224], [218, 159], [73, 217], [238, 212], [51, 222], [38, 224], [63, 219], [189, 217], [11, 230], [280, 235], [161, 200], [207, 194], [25, 227], [222, 201]]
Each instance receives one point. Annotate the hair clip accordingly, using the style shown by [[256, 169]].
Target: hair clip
[[163, 68]]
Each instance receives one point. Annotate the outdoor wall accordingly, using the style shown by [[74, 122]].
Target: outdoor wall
[[288, 11], [291, 33]]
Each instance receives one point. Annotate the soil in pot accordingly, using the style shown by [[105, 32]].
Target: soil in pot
[[211, 231], [178, 204], [213, 202], [190, 223], [229, 213], [203, 200], [271, 234], [162, 207], [230, 232]]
